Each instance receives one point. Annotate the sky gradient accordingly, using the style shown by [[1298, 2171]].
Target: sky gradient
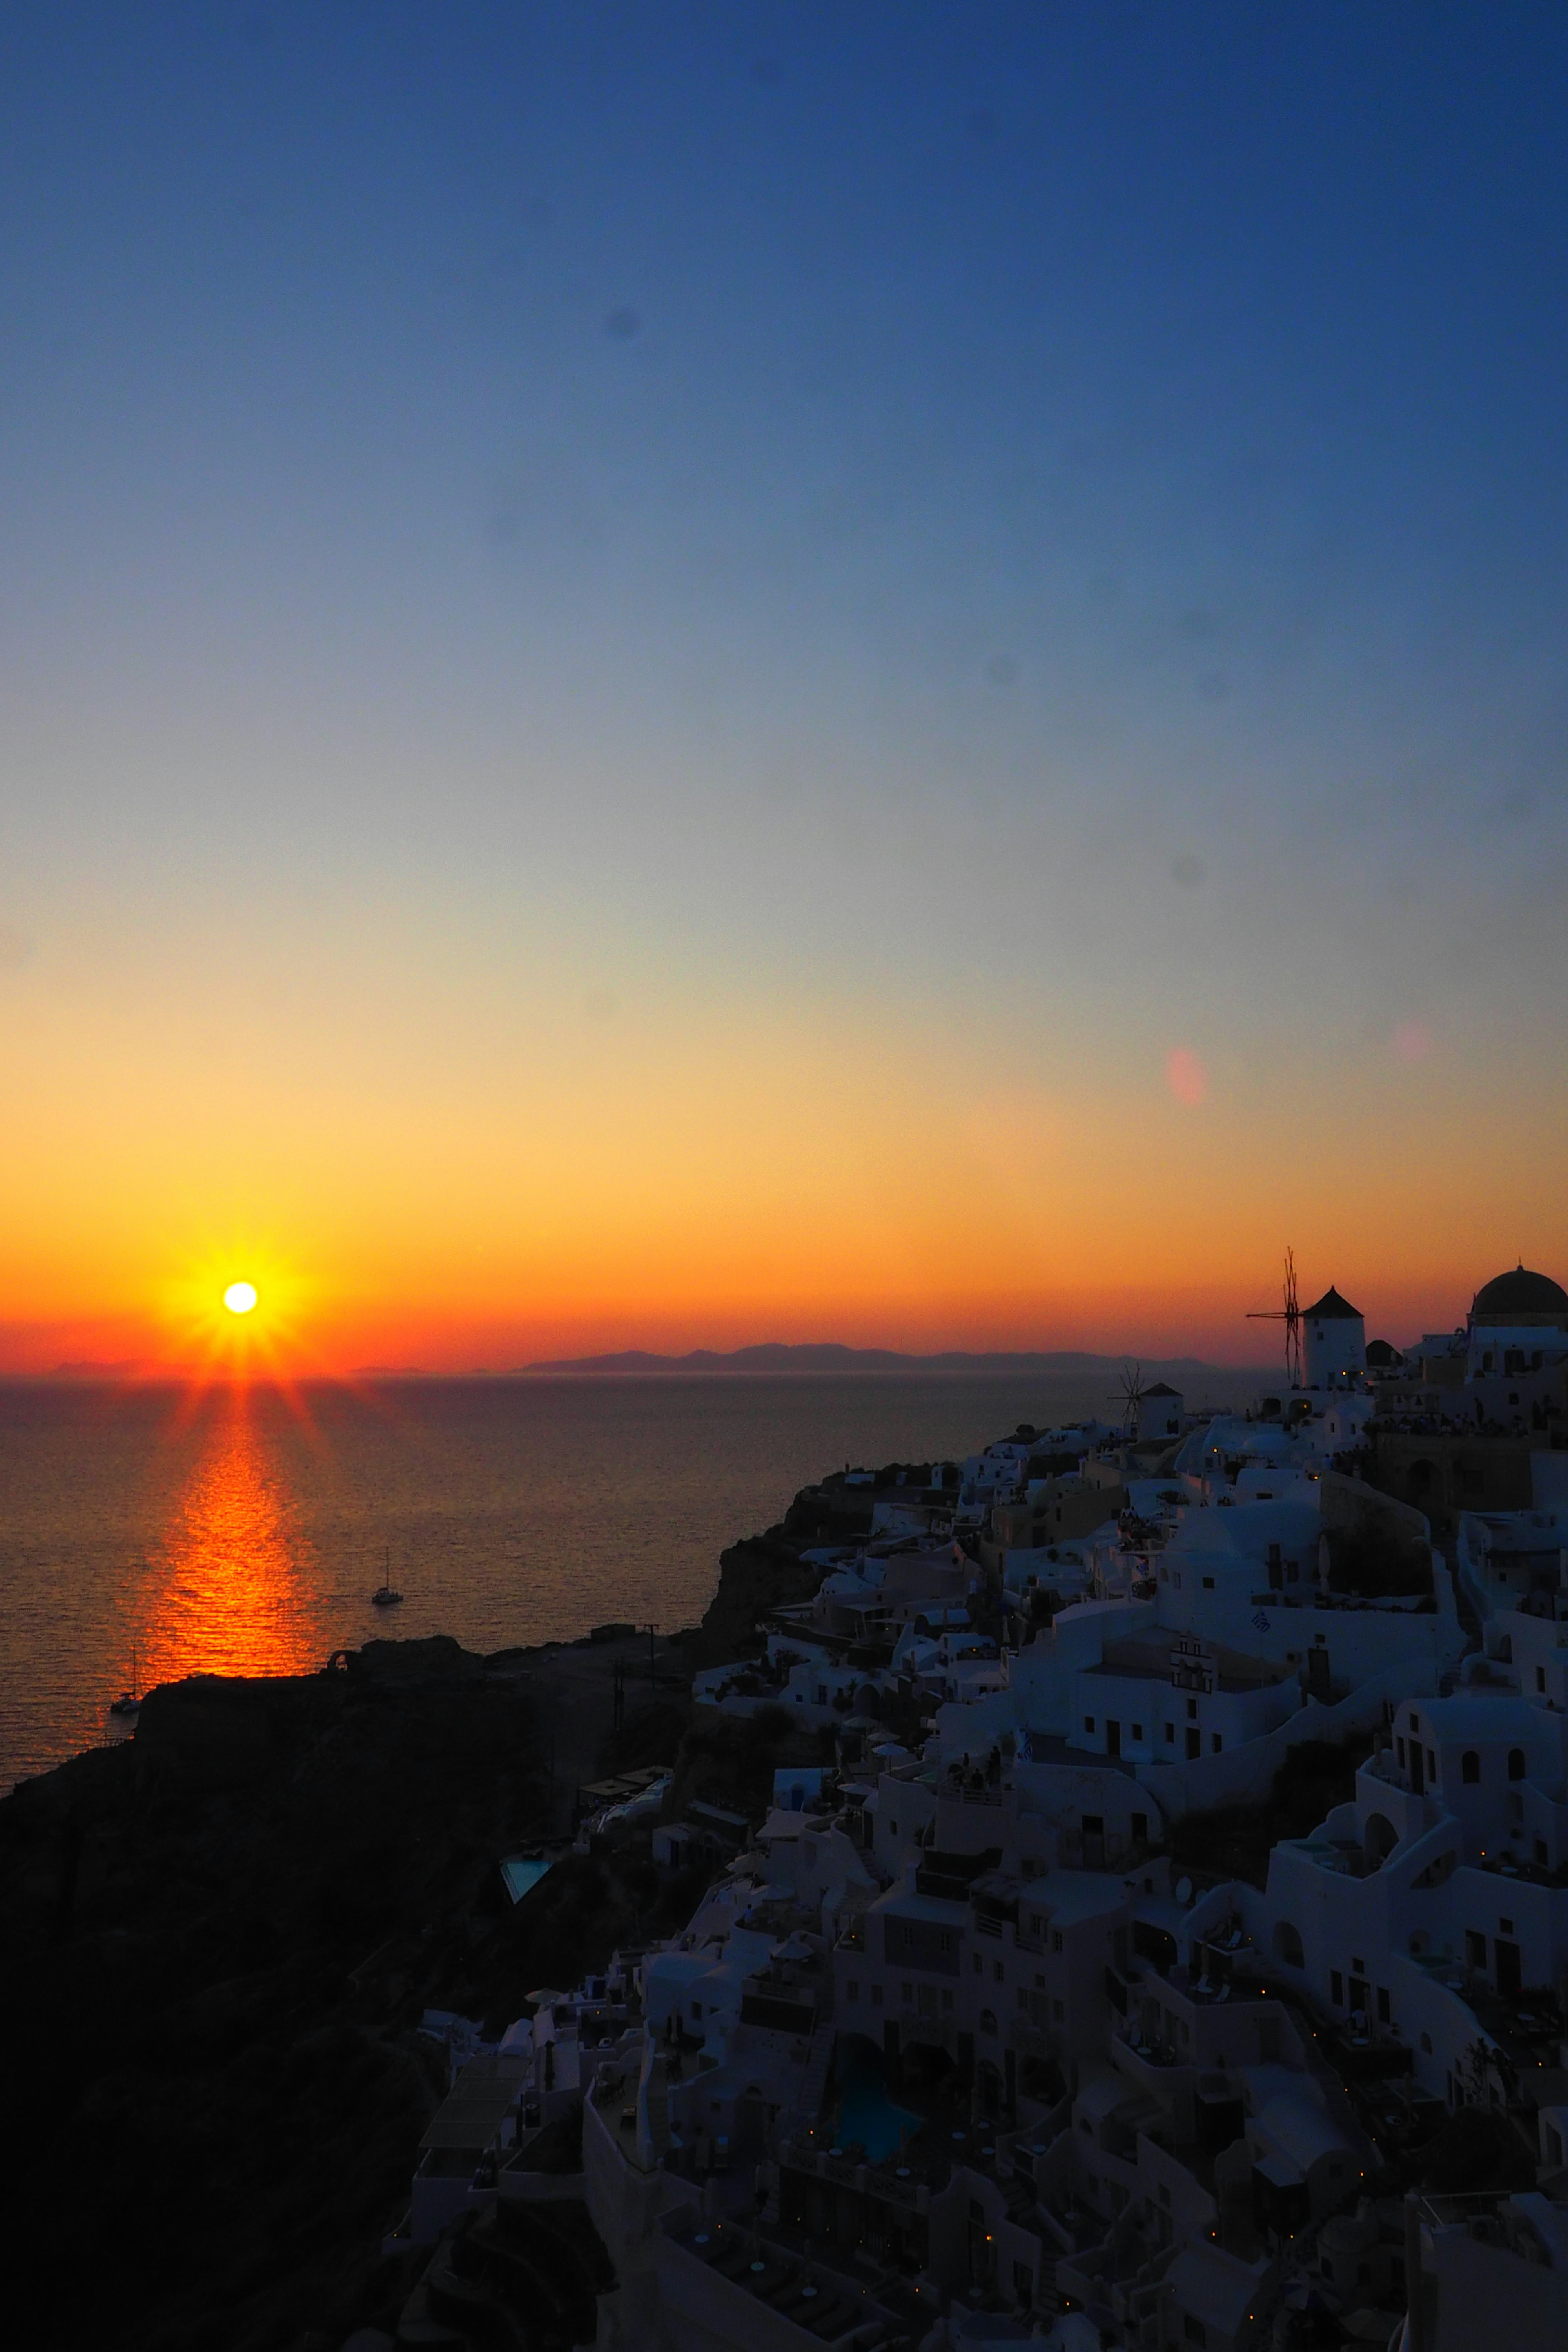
[[674, 675]]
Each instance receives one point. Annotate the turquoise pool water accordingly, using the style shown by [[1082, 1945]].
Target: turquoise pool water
[[867, 2114], [522, 1874]]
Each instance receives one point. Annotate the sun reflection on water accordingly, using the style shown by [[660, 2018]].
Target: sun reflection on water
[[229, 1588]]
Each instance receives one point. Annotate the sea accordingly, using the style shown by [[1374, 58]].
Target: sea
[[149, 1532]]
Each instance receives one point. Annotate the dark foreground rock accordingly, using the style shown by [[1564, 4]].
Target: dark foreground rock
[[216, 1944]]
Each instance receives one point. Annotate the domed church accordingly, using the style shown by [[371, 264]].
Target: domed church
[[1519, 1321]]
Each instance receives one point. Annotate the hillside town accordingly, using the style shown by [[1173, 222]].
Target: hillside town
[[1156, 1930]]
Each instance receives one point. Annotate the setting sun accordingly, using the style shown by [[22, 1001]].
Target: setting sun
[[239, 1297]]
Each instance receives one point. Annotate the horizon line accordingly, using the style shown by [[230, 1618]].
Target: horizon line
[[803, 1358]]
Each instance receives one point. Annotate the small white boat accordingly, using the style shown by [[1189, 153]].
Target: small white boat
[[129, 1702]]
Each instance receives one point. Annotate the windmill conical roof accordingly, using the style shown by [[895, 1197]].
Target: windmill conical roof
[[1331, 1307]]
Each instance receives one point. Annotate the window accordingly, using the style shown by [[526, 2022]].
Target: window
[[1137, 1731], [853, 1990], [1056, 1939], [1431, 1765], [1399, 1745], [1475, 1950], [1336, 1989], [1023, 1996], [979, 1965], [987, 2020], [908, 1993], [1193, 2330], [1415, 1723], [946, 1999], [1541, 1678], [1057, 2012], [1470, 1767], [998, 1971], [1023, 2283], [1171, 1733], [1215, 1742], [1209, 1584], [1505, 1927], [1516, 1763], [1383, 2012], [876, 1996], [1192, 1709], [1141, 1821], [1089, 1723]]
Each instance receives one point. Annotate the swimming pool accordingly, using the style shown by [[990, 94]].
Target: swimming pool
[[864, 2111], [522, 1874]]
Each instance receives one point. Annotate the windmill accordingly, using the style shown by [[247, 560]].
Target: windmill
[[1131, 1391], [1290, 1314]]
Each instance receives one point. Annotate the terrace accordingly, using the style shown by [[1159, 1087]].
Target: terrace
[[1345, 1856], [832, 2310]]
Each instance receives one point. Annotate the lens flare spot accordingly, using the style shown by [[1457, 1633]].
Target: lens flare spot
[[239, 1297], [1185, 1075]]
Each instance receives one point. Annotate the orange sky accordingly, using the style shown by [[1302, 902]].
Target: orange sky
[[681, 1173]]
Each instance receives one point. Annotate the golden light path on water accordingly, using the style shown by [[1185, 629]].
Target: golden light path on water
[[228, 1588]]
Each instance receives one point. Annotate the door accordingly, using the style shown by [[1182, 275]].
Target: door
[[1112, 1737], [1417, 1770], [1360, 1992], [1194, 1743], [1509, 1976], [1094, 1842]]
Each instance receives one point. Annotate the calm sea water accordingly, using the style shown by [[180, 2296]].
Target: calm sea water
[[154, 1530]]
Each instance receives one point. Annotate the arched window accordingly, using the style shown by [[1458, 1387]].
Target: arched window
[[1470, 1766], [1516, 1763], [1287, 1943]]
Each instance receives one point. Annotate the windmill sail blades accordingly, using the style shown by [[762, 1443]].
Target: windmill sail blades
[[1290, 1314], [1131, 1391]]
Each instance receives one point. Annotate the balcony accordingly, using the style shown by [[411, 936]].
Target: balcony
[[1151, 2051], [1341, 1855]]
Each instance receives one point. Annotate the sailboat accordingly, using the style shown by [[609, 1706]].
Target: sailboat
[[384, 1597], [129, 1701]]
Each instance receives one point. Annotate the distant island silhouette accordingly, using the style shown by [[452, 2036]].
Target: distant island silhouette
[[832, 1356]]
